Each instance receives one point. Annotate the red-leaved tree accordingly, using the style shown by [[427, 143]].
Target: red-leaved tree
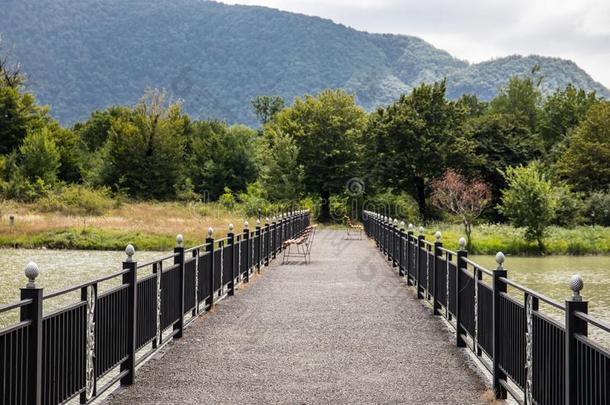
[[459, 196]]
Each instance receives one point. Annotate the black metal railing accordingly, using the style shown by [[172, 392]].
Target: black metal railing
[[85, 348], [527, 351]]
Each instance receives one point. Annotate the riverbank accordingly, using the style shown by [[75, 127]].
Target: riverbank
[[488, 239], [154, 226], [148, 226]]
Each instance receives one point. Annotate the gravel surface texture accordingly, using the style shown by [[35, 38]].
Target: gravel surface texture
[[343, 329]]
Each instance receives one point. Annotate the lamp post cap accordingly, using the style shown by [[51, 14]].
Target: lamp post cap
[[576, 285], [462, 243], [31, 272], [130, 251]]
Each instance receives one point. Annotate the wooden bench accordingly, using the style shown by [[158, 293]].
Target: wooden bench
[[353, 228], [301, 244]]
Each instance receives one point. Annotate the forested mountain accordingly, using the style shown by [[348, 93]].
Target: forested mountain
[[82, 55]]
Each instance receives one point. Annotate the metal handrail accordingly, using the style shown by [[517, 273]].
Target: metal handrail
[[477, 266], [83, 285], [595, 322], [533, 293], [151, 262], [14, 305]]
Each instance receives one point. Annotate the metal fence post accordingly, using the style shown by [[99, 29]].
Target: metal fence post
[[273, 237], [436, 306], [231, 244], [33, 313], [267, 247], [574, 326], [246, 241], [257, 253], [179, 260], [210, 249], [401, 249], [392, 244], [420, 245], [499, 287], [461, 254], [410, 252], [130, 278]]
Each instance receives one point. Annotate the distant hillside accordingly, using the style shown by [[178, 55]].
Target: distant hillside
[[83, 55]]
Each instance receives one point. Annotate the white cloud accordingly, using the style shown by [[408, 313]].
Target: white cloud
[[478, 30]]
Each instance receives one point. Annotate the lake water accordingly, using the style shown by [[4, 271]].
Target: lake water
[[63, 268]]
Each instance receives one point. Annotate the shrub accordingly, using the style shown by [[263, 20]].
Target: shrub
[[227, 199], [529, 201], [396, 205], [253, 199], [569, 210], [78, 200], [40, 158], [597, 208]]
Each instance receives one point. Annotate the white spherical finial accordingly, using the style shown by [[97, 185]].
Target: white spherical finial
[[576, 285], [500, 259], [274, 218], [402, 224], [31, 272], [411, 227], [258, 222], [179, 239], [437, 235], [421, 230], [395, 222], [246, 225], [231, 227], [266, 220], [210, 232], [462, 243], [130, 251]]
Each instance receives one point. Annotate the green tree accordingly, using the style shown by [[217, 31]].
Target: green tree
[[19, 113], [521, 99], [501, 142], [327, 129], [280, 173], [94, 132], [71, 152], [39, 157], [144, 153], [221, 156], [563, 111], [412, 141], [529, 201], [586, 162], [265, 107]]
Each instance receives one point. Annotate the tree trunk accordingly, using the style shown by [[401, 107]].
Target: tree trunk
[[421, 197], [325, 207]]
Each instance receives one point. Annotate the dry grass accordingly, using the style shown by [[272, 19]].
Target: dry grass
[[155, 219]]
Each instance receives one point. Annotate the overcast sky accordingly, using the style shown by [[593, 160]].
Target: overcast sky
[[478, 30]]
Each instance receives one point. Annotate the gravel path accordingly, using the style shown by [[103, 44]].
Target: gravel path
[[342, 329]]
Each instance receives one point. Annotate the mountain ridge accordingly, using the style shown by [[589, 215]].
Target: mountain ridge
[[86, 55]]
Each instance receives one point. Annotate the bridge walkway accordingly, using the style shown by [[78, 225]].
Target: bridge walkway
[[342, 329]]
